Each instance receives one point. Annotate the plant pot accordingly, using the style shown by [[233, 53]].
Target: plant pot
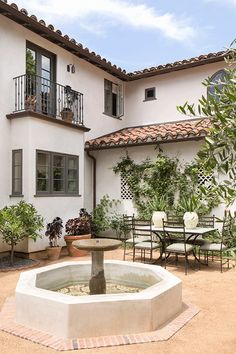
[[157, 218], [53, 253], [190, 219], [72, 249], [67, 116]]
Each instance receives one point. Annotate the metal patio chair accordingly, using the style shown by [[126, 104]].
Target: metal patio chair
[[145, 241], [222, 245], [177, 248]]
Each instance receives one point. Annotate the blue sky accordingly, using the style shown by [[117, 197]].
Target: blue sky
[[136, 34]]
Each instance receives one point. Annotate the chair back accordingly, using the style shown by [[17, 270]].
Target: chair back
[[142, 229], [127, 225], [227, 230], [174, 218], [169, 229], [206, 221]]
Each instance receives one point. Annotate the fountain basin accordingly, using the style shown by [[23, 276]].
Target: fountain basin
[[38, 307]]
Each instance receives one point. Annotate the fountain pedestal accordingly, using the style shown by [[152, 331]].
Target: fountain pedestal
[[97, 283]]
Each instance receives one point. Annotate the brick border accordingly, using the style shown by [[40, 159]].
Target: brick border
[[8, 324]]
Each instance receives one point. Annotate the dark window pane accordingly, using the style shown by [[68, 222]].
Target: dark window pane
[[16, 172], [46, 63], [58, 186], [30, 62], [72, 186], [42, 185], [58, 161]]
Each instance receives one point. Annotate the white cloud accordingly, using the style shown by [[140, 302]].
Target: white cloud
[[98, 15]]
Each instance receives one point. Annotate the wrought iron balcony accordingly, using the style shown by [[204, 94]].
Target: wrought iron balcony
[[35, 93]]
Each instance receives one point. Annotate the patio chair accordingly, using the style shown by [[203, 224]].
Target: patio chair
[[204, 221], [223, 244], [177, 248], [128, 235], [145, 242]]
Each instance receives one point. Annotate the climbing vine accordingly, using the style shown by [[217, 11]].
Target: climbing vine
[[163, 184]]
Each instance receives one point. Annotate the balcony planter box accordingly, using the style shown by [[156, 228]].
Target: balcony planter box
[[67, 115]]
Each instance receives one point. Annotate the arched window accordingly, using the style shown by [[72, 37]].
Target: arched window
[[216, 80]]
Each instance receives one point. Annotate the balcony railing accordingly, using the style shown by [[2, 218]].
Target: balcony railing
[[38, 94]]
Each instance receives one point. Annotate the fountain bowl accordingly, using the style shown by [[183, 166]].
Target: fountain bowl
[[38, 306]]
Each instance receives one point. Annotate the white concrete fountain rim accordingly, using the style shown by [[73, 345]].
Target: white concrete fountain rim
[[28, 279], [97, 315]]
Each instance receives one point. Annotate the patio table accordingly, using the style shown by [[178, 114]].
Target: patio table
[[192, 234]]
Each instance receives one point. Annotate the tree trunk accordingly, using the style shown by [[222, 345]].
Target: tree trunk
[[12, 254]]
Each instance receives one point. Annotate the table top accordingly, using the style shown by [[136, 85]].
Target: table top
[[194, 231], [98, 244]]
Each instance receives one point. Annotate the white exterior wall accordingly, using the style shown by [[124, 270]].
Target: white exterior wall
[[31, 134], [172, 89], [109, 183]]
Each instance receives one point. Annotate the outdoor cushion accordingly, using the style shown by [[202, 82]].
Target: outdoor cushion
[[137, 239], [179, 248], [147, 245], [212, 247]]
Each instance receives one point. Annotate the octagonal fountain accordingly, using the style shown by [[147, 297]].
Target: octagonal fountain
[[39, 306]]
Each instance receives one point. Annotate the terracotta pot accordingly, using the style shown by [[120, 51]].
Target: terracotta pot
[[53, 252], [67, 116], [72, 249]]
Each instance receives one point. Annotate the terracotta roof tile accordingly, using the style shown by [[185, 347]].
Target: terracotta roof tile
[[151, 134], [48, 31]]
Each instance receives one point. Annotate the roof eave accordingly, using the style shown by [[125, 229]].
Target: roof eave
[[157, 142]]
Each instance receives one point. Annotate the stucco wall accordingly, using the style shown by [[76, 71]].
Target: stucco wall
[[30, 134], [172, 89], [109, 183]]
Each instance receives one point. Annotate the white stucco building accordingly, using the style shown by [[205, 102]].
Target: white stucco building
[[56, 95]]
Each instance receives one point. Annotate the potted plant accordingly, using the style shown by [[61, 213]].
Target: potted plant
[[189, 206], [158, 206], [67, 115], [17, 222], [70, 97], [78, 229], [54, 231]]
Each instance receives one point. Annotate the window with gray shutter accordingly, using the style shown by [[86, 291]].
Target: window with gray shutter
[[17, 172], [113, 99]]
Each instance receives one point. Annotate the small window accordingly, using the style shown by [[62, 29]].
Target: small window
[[16, 172], [113, 99], [216, 81], [150, 94], [56, 173]]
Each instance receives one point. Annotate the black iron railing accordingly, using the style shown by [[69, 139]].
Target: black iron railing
[[35, 93]]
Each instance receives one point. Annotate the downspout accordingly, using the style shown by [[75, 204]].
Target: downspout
[[94, 176]]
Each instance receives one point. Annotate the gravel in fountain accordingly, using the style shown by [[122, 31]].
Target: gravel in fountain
[[82, 289]]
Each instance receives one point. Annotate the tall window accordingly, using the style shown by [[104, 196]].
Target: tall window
[[113, 99], [56, 173], [216, 80], [16, 172], [40, 75]]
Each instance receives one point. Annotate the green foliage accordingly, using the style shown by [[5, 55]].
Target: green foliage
[[162, 183], [19, 221], [101, 214], [219, 149]]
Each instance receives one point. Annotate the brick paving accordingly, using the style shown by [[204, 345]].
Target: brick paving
[[8, 324]]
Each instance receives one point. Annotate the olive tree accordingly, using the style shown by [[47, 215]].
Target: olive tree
[[17, 222], [218, 151]]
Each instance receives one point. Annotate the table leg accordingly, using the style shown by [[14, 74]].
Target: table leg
[[97, 283]]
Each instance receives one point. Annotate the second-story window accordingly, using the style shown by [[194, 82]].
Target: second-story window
[[217, 81], [40, 78], [113, 99]]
